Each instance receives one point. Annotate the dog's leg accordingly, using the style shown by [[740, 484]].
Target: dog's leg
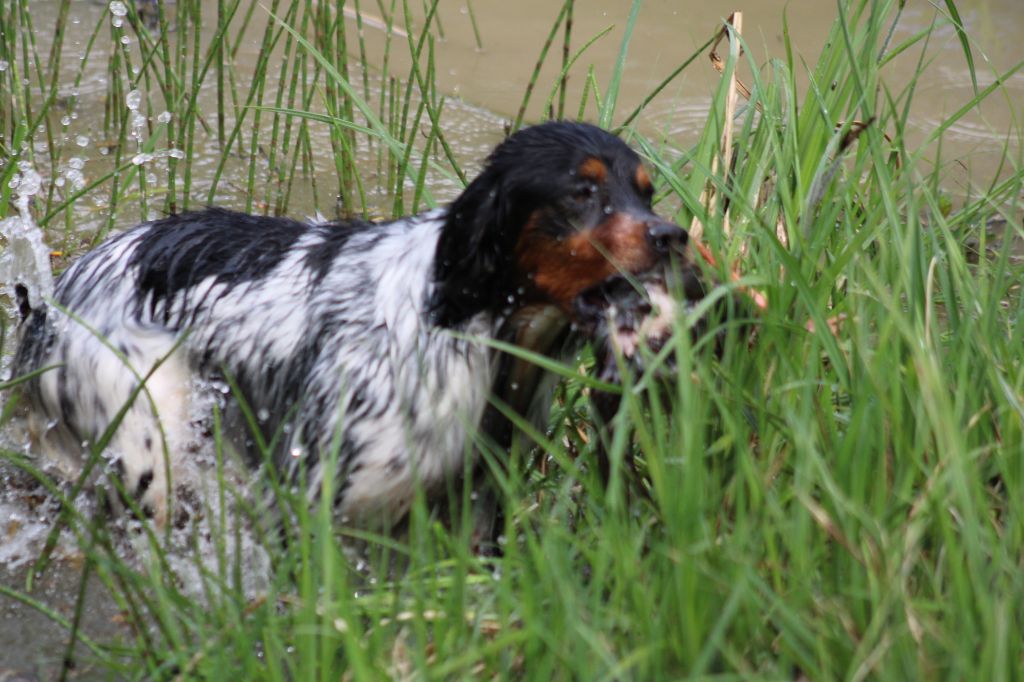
[[83, 398], [606, 406], [521, 387], [155, 427]]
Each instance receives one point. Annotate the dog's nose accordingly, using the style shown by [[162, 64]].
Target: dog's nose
[[666, 238]]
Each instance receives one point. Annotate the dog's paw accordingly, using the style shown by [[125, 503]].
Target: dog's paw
[[134, 485]]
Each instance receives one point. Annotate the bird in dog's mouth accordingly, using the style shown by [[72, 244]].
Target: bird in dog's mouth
[[633, 316]]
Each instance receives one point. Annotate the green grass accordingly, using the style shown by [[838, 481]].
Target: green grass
[[809, 505]]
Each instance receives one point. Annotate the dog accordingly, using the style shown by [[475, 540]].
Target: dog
[[358, 343]]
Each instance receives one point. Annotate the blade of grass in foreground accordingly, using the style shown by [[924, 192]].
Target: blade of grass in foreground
[[611, 96]]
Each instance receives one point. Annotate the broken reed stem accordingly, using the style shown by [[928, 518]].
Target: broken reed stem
[[725, 152], [707, 196], [724, 155]]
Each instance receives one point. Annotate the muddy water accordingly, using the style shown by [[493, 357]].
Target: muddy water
[[488, 84], [485, 85], [668, 32]]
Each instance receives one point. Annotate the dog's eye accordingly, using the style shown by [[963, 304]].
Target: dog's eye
[[585, 191]]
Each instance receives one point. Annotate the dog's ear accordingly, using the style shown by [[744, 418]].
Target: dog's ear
[[475, 252]]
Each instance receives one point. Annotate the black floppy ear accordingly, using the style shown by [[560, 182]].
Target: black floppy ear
[[474, 253]]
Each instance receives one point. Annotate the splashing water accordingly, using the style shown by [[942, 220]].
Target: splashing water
[[133, 99], [118, 11], [26, 259]]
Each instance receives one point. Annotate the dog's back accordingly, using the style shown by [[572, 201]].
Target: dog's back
[[314, 324]]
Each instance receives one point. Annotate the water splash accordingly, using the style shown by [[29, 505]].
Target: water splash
[[24, 532], [118, 11], [133, 99], [26, 259]]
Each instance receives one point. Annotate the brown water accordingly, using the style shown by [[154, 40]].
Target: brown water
[[485, 86], [488, 84], [668, 32]]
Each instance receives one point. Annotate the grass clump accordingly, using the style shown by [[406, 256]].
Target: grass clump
[[834, 497]]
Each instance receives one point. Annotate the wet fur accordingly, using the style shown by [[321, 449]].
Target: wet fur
[[365, 337]]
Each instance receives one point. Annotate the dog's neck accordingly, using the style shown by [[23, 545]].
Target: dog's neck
[[518, 380]]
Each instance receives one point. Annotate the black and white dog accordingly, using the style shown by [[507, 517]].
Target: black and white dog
[[363, 337]]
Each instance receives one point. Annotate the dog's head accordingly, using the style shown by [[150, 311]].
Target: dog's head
[[558, 209]]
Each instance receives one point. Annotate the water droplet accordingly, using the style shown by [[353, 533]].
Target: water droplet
[[3, 65], [141, 158], [82, 141], [118, 8], [65, 121], [76, 180], [133, 99], [263, 414], [164, 117], [125, 40]]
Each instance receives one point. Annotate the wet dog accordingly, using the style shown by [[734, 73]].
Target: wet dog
[[360, 344]]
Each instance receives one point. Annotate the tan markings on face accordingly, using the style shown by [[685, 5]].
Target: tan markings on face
[[563, 268], [643, 180], [593, 169]]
